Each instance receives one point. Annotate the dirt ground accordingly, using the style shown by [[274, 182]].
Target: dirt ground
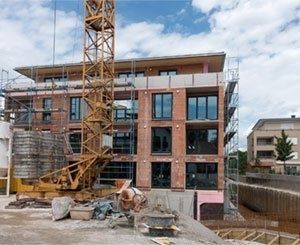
[[35, 226]]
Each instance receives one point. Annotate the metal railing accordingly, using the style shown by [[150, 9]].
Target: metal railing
[[176, 81]]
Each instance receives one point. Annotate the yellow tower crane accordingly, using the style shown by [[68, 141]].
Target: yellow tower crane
[[98, 95]]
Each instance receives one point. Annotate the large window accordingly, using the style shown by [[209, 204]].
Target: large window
[[203, 107], [47, 105], [121, 143], [162, 106], [118, 170], [202, 176], [202, 141], [168, 73], [75, 108], [161, 140], [125, 110], [75, 142], [161, 175]]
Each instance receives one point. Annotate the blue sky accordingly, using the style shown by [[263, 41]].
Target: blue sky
[[177, 15], [264, 34]]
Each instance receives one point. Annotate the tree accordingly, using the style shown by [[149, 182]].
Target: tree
[[283, 148], [242, 161]]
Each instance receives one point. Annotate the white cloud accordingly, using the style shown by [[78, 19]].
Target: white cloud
[[206, 6], [26, 31], [265, 34]]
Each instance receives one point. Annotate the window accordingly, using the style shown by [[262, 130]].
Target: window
[[203, 107], [293, 140], [295, 155], [265, 154], [23, 117], [161, 140], [47, 105], [118, 170], [161, 175], [202, 176], [291, 170], [55, 79], [75, 142], [168, 73], [121, 143], [129, 74], [75, 108], [265, 141], [202, 141], [124, 110], [162, 106], [287, 126]]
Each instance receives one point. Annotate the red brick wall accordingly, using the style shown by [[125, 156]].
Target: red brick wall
[[178, 158]]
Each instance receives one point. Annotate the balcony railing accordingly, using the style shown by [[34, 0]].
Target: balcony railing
[[151, 82], [177, 81]]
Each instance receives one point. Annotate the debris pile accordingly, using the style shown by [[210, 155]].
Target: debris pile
[[29, 203]]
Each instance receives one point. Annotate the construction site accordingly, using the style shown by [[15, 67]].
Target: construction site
[[131, 151]]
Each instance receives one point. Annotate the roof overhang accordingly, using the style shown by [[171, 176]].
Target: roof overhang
[[215, 63]]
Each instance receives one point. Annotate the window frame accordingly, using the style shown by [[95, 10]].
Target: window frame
[[47, 113], [168, 72], [214, 187], [163, 178], [128, 74], [132, 112], [198, 151], [125, 135], [161, 152], [162, 106], [77, 147], [121, 168], [77, 118], [54, 79], [206, 107]]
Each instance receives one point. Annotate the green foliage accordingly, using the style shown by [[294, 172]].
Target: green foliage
[[283, 149], [242, 161], [242, 158]]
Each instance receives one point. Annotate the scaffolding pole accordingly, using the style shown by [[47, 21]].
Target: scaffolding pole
[[231, 140]]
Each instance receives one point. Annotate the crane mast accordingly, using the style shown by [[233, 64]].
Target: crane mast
[[98, 97]]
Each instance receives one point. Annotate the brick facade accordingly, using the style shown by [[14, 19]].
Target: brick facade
[[60, 120]]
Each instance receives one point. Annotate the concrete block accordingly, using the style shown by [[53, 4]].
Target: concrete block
[[81, 213]]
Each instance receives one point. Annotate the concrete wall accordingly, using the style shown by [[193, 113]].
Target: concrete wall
[[208, 197], [286, 182], [180, 201], [271, 201]]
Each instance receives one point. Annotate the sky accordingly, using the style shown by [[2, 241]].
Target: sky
[[265, 35]]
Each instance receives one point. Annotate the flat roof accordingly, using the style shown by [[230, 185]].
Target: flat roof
[[216, 61], [260, 122]]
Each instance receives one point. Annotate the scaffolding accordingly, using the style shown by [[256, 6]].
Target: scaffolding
[[231, 139], [128, 122]]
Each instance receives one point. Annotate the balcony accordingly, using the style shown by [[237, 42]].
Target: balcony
[[21, 88], [176, 81]]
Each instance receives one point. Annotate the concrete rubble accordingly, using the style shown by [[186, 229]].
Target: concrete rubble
[[36, 225]]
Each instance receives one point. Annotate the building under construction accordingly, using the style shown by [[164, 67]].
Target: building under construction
[[169, 123]]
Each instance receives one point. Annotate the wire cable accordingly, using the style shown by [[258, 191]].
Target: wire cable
[[54, 31]]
